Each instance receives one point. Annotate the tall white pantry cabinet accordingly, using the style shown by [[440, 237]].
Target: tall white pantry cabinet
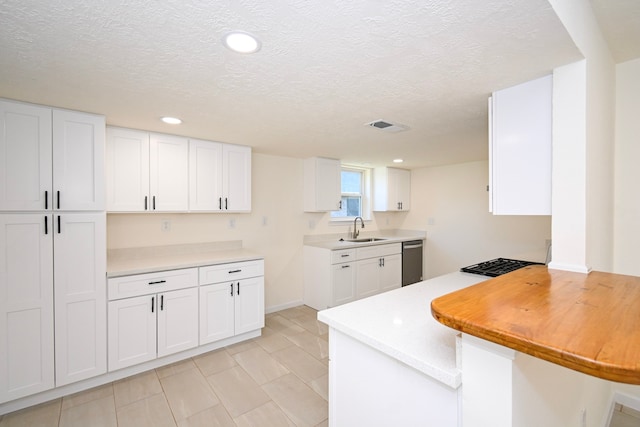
[[52, 248]]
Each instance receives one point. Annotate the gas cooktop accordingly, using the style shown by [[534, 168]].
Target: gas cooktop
[[498, 266]]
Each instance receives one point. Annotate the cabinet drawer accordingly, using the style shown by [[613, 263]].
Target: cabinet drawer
[[343, 255], [150, 283], [378, 250], [233, 271]]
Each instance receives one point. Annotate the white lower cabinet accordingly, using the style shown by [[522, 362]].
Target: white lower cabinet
[[379, 269], [42, 255], [335, 277], [26, 305], [80, 298], [156, 324], [231, 299], [343, 281]]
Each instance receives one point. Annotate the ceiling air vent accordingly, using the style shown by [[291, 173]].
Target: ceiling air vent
[[387, 127]]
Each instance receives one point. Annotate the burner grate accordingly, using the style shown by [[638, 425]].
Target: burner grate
[[497, 267]]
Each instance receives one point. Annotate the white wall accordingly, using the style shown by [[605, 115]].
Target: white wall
[[452, 204], [627, 177], [583, 124]]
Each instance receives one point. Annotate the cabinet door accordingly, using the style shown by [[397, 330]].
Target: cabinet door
[[249, 305], [25, 157], [391, 273], [402, 189], [78, 161], [322, 186], [343, 279], [520, 149], [26, 305], [80, 296], [205, 176], [236, 179], [132, 331], [216, 312], [177, 321], [367, 277], [127, 159], [168, 173]]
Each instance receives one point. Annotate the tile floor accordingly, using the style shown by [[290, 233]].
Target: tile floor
[[278, 379]]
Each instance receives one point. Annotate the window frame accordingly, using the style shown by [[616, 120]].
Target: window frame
[[365, 194]]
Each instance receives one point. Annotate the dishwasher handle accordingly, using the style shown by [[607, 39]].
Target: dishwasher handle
[[412, 246]]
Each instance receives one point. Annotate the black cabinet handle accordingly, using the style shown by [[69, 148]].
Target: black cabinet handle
[[58, 198], [232, 289], [152, 303], [346, 266], [46, 199], [46, 225], [383, 262], [220, 203], [226, 207], [238, 288], [161, 302], [145, 202], [235, 271], [379, 262], [344, 255], [59, 231], [157, 282], [154, 203]]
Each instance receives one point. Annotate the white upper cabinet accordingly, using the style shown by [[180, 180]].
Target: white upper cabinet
[[391, 189], [520, 141], [322, 185], [146, 172], [127, 170], [219, 177], [205, 176], [165, 173], [51, 159], [78, 161], [236, 177], [168, 173], [25, 153]]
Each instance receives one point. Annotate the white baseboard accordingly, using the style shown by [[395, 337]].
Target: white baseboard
[[280, 307]]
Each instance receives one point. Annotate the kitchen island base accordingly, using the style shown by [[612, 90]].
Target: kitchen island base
[[368, 387]]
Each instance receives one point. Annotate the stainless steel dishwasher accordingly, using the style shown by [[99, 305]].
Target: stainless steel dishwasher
[[411, 262]]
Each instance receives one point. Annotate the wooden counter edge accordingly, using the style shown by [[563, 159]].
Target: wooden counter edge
[[558, 357]]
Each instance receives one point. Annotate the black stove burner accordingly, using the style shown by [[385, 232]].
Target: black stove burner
[[498, 266]]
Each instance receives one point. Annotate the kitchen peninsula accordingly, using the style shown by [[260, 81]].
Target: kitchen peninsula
[[388, 351]]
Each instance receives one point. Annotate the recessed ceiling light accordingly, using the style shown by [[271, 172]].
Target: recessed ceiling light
[[398, 160], [171, 120], [241, 42]]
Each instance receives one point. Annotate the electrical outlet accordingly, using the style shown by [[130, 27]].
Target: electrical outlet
[[232, 223], [165, 225], [264, 220]]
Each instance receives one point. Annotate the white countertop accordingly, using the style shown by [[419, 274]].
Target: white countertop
[[399, 324], [124, 262]]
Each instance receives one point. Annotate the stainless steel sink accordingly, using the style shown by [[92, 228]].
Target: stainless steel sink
[[369, 239]]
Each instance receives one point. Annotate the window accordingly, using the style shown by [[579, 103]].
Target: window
[[354, 183]]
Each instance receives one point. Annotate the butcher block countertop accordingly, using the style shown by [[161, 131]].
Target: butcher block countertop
[[586, 322]]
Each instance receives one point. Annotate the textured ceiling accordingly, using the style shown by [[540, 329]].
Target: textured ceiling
[[620, 24], [325, 69]]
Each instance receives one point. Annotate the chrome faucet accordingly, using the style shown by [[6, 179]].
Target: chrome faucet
[[355, 229]]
